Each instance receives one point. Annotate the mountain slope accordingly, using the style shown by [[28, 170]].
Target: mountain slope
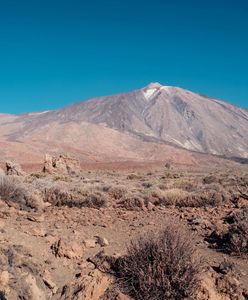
[[120, 126]]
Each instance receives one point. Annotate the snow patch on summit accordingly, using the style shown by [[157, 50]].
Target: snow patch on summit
[[149, 92]]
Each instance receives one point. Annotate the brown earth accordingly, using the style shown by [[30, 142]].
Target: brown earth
[[45, 249]]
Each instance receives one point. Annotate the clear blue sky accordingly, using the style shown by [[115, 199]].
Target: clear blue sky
[[57, 52]]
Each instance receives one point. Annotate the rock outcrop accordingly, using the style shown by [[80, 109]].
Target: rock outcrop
[[13, 168], [61, 165], [87, 287]]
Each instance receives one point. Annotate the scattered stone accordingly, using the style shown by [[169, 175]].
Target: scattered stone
[[102, 241], [14, 169], [48, 282], [90, 243], [195, 221], [150, 206], [36, 218], [70, 250], [34, 292], [36, 232], [4, 278], [88, 287]]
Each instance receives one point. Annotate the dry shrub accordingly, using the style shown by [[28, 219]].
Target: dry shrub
[[133, 176], [163, 186], [117, 192], [167, 197], [38, 175], [160, 266], [210, 179], [16, 193], [33, 200], [132, 202], [210, 195], [235, 241], [186, 185], [59, 196], [11, 189], [147, 184], [172, 175], [95, 200]]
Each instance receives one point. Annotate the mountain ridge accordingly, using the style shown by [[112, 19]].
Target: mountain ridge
[[153, 115]]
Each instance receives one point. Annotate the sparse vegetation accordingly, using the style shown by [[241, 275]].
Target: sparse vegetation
[[11, 189], [16, 193], [160, 266], [235, 240], [95, 200], [132, 201]]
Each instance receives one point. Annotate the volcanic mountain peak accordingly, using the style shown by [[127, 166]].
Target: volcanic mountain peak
[[154, 85], [152, 89], [154, 115]]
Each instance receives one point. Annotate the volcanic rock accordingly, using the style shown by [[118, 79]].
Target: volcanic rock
[[61, 165]]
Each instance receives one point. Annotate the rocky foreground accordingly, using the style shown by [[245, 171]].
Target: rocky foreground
[[65, 236]]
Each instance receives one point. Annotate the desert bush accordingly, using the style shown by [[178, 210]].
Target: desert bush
[[95, 200], [11, 189], [163, 186], [38, 175], [160, 266], [209, 179], [172, 175], [61, 178], [57, 196], [236, 239], [18, 194], [207, 195], [201, 199], [133, 176], [60, 196], [185, 185], [33, 200], [132, 202], [117, 192], [166, 197]]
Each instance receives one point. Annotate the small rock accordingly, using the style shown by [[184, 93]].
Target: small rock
[[36, 218], [36, 232], [4, 278], [102, 241], [195, 221], [90, 243], [150, 206], [48, 282], [68, 249]]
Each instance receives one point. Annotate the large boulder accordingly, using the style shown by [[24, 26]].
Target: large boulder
[[13, 168], [61, 165]]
